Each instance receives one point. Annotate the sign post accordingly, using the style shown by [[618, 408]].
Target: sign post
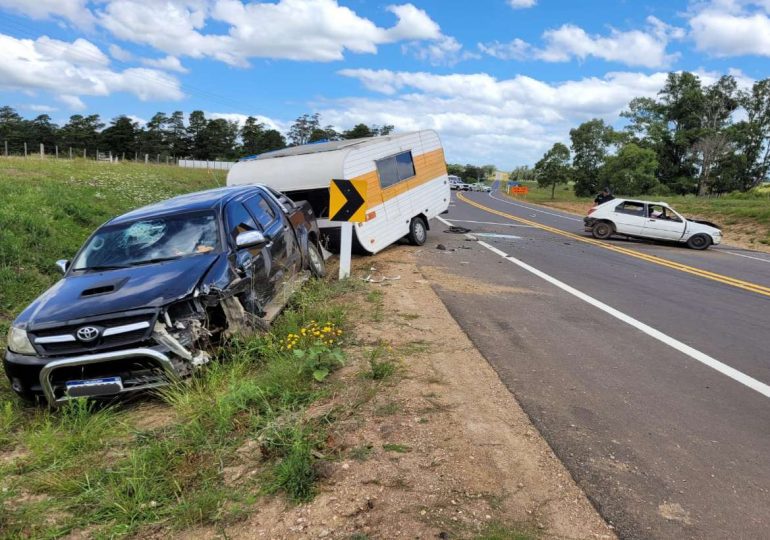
[[347, 204]]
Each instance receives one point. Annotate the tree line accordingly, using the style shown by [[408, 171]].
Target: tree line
[[690, 139], [167, 136]]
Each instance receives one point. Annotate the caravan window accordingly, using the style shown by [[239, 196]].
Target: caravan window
[[394, 169]]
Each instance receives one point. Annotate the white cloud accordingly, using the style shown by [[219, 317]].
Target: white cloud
[[521, 4], [485, 119], [732, 27], [270, 123], [77, 68], [446, 51], [141, 122], [646, 48], [168, 63], [76, 11], [120, 54], [314, 30], [39, 108]]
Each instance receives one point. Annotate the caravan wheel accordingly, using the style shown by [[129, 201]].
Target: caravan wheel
[[418, 232]]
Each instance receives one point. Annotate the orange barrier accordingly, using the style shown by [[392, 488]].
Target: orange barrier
[[518, 190]]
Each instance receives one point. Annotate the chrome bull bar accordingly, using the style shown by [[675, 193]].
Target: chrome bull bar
[[162, 360]]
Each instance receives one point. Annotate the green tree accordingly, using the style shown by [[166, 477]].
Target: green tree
[[590, 142], [176, 135], [81, 132], [631, 171], [219, 137], [359, 131], [196, 134], [324, 134], [303, 127], [752, 135], [120, 137], [554, 168], [153, 138]]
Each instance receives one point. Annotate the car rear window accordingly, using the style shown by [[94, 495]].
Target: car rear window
[[630, 207]]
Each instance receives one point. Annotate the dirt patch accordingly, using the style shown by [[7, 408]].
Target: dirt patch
[[459, 284], [440, 449]]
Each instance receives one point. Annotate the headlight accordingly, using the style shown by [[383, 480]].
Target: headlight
[[18, 341]]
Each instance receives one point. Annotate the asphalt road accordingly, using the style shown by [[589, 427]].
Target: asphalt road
[[664, 435]]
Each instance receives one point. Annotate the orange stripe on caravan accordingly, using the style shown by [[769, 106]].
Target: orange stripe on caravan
[[427, 167]]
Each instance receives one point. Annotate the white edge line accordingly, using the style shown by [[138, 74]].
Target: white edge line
[[535, 209], [495, 223], [695, 354], [742, 255]]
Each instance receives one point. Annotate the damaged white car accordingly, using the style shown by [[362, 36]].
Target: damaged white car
[[151, 292]]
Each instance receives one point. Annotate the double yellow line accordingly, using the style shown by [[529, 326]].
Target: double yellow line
[[727, 280]]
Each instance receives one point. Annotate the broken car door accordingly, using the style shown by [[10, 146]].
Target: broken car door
[[276, 227], [253, 263]]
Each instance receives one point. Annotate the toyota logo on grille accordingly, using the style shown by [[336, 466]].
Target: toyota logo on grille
[[88, 333]]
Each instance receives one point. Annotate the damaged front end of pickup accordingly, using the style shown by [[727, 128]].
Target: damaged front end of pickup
[[146, 349]]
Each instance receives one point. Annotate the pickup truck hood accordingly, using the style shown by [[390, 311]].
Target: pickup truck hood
[[91, 294]]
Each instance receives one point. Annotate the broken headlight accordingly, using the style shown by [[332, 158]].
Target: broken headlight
[[19, 342]]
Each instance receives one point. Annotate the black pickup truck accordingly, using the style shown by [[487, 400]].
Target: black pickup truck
[[151, 292]]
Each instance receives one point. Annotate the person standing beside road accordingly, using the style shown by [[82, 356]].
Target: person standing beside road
[[603, 196]]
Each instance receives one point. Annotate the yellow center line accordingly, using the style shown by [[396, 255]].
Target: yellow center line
[[727, 280]]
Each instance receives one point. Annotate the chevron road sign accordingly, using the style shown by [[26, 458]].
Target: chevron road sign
[[347, 200]]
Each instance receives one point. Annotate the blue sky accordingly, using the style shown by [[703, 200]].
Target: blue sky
[[501, 80]]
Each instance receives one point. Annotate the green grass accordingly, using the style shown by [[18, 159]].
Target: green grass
[[91, 467], [749, 211], [49, 207], [379, 369], [398, 448]]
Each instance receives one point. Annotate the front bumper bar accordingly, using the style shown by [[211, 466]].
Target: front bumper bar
[[161, 359]]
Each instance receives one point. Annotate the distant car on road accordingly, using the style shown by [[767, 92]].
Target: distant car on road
[[456, 184], [480, 187], [647, 219]]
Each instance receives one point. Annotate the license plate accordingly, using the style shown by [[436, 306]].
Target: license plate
[[94, 387]]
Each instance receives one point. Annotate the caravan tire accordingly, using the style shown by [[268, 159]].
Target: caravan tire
[[418, 231]]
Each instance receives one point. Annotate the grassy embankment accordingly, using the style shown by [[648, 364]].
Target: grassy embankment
[[744, 216], [108, 470]]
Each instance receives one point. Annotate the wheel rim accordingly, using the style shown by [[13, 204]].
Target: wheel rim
[[315, 258], [603, 230], [419, 231], [698, 241]]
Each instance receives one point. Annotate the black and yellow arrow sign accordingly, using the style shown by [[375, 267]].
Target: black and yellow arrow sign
[[347, 200]]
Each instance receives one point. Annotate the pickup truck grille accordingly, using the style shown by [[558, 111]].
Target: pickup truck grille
[[113, 333]]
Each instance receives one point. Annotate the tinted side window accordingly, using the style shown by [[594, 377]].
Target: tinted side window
[[394, 169], [405, 165], [261, 210], [238, 220]]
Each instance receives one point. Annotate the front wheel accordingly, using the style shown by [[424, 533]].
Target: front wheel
[[315, 260], [418, 231], [699, 242], [602, 230]]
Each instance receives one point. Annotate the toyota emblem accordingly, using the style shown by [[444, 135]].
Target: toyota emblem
[[88, 333]]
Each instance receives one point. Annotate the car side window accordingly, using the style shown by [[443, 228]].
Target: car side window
[[631, 208], [238, 220], [261, 210]]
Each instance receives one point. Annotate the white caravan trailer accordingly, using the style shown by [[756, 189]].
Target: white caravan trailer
[[405, 174]]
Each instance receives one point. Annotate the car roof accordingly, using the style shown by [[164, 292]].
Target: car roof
[[189, 202]]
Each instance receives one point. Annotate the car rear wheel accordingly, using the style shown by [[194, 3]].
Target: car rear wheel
[[602, 230], [315, 260], [699, 241], [418, 232]]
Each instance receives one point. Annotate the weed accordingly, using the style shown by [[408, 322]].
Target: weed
[[414, 347], [499, 531], [409, 316], [387, 409], [400, 448], [9, 416], [375, 297], [379, 369], [296, 474], [362, 452]]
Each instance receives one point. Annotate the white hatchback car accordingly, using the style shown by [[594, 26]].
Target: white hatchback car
[[653, 220]]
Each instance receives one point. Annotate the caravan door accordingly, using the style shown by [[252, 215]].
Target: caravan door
[[394, 173]]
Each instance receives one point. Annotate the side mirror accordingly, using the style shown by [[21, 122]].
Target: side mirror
[[250, 239], [62, 265]]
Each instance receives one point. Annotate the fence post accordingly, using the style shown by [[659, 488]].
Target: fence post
[[25, 149], [42, 151], [124, 157], [136, 157], [157, 159], [70, 152], [110, 156], [146, 159], [84, 153], [166, 159], [56, 149], [6, 148]]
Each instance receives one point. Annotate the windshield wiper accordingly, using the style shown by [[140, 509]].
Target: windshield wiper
[[155, 260], [99, 268]]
